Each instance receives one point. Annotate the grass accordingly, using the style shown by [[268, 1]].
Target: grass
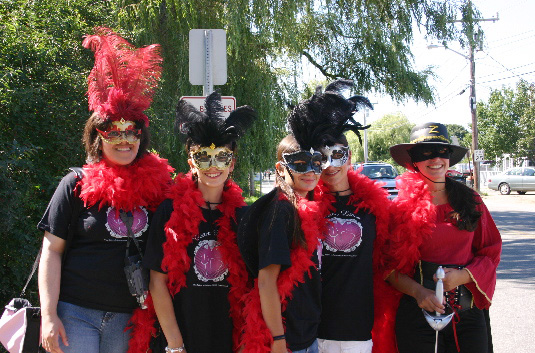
[[250, 199], [258, 192]]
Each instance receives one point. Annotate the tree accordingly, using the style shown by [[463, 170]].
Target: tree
[[457, 130], [391, 129], [506, 124], [42, 87], [526, 142], [367, 41]]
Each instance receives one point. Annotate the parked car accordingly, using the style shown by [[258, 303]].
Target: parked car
[[382, 173], [517, 179], [457, 176]]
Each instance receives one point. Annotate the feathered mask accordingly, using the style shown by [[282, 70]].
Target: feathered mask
[[123, 79], [210, 128], [320, 120]]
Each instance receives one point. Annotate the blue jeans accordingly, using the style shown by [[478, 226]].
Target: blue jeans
[[312, 349], [93, 331]]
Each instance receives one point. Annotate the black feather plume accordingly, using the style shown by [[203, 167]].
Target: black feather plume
[[320, 120], [209, 127]]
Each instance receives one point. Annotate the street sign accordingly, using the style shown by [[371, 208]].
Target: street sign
[[199, 57], [479, 155], [228, 103]]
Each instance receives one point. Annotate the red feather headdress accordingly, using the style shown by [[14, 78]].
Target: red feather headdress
[[123, 79]]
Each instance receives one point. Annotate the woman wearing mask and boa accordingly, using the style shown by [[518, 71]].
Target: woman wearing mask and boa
[[437, 221], [197, 274], [85, 299]]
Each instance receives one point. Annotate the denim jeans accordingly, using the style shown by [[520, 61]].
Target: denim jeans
[[312, 349], [93, 331]]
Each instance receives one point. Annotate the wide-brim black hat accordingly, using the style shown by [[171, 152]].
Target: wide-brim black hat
[[434, 133]]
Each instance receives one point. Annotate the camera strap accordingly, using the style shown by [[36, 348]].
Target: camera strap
[[128, 219]]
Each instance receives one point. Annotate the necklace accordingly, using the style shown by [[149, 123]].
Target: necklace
[[337, 193], [438, 190]]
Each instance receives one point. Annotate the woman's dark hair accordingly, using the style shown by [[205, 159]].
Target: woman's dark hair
[[463, 201], [93, 142], [342, 139], [289, 145]]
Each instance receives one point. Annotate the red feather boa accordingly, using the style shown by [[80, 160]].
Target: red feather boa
[[412, 222], [257, 337], [180, 230], [142, 183]]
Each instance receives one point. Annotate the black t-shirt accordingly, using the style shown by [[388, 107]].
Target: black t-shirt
[[347, 274], [302, 314], [201, 307], [92, 274]]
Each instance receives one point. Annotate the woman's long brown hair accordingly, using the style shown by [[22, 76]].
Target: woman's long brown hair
[[289, 145]]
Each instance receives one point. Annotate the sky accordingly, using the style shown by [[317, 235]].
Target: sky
[[508, 55]]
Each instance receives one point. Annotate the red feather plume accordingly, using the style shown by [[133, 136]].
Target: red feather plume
[[123, 79]]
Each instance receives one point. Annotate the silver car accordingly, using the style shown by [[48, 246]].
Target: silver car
[[383, 173], [517, 179]]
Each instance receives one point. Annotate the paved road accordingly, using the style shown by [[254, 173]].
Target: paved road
[[513, 309]]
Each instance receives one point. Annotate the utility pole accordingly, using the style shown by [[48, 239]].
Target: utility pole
[[473, 111], [473, 101]]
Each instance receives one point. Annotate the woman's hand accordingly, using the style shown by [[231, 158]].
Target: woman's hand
[[51, 330], [427, 300], [454, 278]]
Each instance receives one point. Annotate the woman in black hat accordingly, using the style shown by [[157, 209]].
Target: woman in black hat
[[438, 221]]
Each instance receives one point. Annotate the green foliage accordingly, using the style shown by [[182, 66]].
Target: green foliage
[[457, 130], [18, 245], [367, 41], [391, 129], [506, 122], [42, 86]]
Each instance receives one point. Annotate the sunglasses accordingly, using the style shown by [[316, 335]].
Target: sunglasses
[[206, 157], [423, 153], [117, 136], [335, 156], [302, 162]]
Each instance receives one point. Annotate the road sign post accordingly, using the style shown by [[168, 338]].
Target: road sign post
[[207, 58]]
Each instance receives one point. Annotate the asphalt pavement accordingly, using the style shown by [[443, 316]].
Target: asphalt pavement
[[512, 313]]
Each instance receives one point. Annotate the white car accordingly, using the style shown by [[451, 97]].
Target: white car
[[517, 179]]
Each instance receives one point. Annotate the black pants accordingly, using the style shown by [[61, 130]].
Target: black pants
[[414, 335]]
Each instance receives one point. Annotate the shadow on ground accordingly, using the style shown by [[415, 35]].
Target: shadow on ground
[[515, 221], [517, 262]]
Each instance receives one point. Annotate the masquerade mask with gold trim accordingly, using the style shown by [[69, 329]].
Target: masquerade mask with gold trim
[[335, 156], [122, 130], [302, 162], [206, 157]]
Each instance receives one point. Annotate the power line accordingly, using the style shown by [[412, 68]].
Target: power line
[[505, 78]]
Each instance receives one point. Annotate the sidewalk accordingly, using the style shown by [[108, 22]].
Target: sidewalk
[[267, 185]]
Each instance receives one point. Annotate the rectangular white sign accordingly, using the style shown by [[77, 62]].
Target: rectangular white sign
[[197, 56], [228, 103], [479, 155]]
